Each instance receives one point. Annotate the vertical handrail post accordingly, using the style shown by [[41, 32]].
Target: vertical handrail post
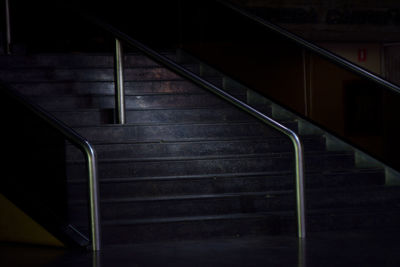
[[94, 199], [119, 83], [300, 187], [8, 27]]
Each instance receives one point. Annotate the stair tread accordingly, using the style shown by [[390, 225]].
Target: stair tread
[[193, 197], [107, 87], [224, 175], [209, 157], [96, 109], [259, 139], [182, 177], [177, 131], [183, 123], [177, 141], [106, 66], [210, 148], [127, 94], [313, 212], [264, 194], [195, 218]]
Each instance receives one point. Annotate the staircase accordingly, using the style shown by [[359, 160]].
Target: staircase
[[188, 165]]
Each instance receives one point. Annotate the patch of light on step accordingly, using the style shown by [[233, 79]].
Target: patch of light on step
[[362, 160], [253, 98], [365, 161], [335, 144], [392, 177]]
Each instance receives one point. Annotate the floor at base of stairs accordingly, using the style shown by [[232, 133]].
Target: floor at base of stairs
[[320, 249]]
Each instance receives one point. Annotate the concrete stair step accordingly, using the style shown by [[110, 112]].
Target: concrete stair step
[[179, 228], [131, 102], [105, 88], [178, 166], [85, 74], [190, 149], [76, 60], [244, 202], [238, 225], [188, 205], [93, 117], [175, 132], [224, 183]]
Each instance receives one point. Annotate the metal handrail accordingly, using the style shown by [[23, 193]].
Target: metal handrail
[[91, 159], [168, 63], [75, 139], [315, 48], [8, 27], [119, 83]]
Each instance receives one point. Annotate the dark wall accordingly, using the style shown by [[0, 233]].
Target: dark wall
[[344, 103]]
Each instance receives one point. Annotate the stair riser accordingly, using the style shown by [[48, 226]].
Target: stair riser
[[106, 116], [221, 185], [131, 102], [360, 198], [193, 207], [106, 88], [212, 166], [182, 187], [182, 132], [85, 75], [123, 234], [77, 61], [121, 151], [270, 225], [244, 204], [341, 222]]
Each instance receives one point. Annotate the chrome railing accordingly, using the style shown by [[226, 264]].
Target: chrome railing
[[166, 62], [119, 83], [8, 27], [76, 140], [91, 160]]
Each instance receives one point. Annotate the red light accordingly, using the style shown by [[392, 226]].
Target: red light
[[362, 54]]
